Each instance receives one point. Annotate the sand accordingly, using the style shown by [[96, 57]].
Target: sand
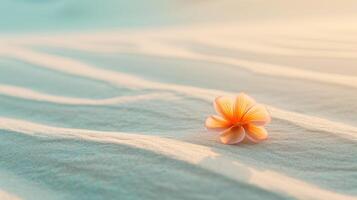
[[116, 112]]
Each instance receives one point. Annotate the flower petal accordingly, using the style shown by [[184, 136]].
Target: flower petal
[[255, 133], [233, 135], [215, 121], [224, 105], [242, 104], [257, 114]]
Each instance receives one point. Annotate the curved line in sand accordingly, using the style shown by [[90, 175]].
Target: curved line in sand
[[191, 153], [24, 93], [248, 38], [74, 67], [273, 49], [158, 48]]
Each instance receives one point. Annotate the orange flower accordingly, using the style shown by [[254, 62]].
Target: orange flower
[[240, 117]]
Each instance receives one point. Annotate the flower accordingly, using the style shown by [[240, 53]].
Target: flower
[[239, 117]]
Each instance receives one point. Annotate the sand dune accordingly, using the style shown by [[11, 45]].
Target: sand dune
[[160, 44], [74, 67], [187, 152], [29, 94], [253, 66]]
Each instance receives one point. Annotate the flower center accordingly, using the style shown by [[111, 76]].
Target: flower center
[[237, 124]]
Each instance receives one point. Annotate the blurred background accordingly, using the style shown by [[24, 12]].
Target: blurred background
[[67, 15]]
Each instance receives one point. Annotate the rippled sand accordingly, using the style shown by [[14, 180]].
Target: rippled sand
[[119, 113]]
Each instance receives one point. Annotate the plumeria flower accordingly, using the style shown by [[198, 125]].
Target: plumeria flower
[[239, 117]]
